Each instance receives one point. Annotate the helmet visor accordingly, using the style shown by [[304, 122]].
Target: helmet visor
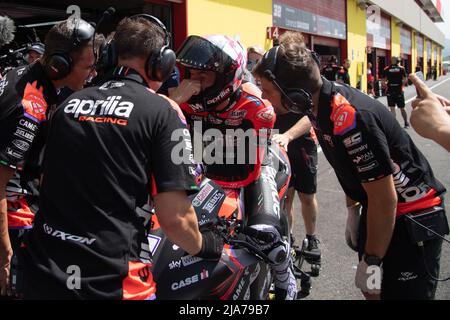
[[198, 53]]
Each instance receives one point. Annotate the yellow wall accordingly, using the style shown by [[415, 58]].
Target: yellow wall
[[356, 44], [425, 56], [433, 56], [245, 20], [395, 38], [413, 51], [439, 61]]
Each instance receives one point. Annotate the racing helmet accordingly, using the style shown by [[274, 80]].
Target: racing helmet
[[221, 54]]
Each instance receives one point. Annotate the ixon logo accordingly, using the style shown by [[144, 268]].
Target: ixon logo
[[66, 236]]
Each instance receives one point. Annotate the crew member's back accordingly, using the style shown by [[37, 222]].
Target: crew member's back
[[108, 147]]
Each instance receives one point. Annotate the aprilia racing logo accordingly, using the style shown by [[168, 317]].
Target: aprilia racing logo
[[408, 190], [111, 110]]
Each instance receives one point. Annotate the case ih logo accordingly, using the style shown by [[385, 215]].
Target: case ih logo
[[190, 280]]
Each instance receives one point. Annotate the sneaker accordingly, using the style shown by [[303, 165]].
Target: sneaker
[[406, 125], [313, 253], [292, 240]]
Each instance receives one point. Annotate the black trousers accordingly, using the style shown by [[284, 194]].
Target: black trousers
[[405, 275]]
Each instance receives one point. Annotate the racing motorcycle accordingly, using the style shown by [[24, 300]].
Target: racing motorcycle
[[243, 271]]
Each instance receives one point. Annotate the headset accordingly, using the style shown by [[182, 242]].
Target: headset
[[297, 100], [59, 64], [159, 64]]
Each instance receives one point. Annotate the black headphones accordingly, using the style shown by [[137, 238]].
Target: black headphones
[[59, 64], [159, 64], [297, 100]]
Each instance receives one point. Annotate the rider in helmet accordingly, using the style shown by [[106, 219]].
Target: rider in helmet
[[213, 96]]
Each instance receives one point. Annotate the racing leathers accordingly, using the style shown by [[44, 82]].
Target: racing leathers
[[26, 98], [364, 143], [236, 156], [109, 148]]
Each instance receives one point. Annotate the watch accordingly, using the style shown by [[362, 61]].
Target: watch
[[372, 260]]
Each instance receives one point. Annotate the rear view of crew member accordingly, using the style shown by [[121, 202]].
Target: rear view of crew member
[[330, 71], [110, 149], [396, 77]]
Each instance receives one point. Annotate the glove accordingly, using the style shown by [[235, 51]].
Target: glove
[[212, 245], [352, 226], [368, 279]]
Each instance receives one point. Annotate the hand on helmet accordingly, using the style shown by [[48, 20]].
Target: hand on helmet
[[186, 90]]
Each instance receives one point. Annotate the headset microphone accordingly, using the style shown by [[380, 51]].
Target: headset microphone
[[297, 100]]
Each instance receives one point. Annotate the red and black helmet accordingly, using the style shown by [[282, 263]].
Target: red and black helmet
[[221, 54]]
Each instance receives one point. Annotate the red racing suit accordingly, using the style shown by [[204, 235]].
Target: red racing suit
[[248, 115]]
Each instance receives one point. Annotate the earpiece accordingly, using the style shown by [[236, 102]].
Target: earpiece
[[59, 64], [297, 100], [159, 64]]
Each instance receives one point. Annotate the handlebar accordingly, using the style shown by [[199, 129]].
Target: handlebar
[[222, 226]]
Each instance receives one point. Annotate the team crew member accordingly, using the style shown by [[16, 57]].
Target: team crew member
[[35, 52], [396, 77], [109, 146], [343, 76], [330, 71], [27, 96], [376, 163], [214, 97], [302, 151]]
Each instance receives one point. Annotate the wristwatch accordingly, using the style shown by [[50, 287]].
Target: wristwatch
[[372, 260]]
